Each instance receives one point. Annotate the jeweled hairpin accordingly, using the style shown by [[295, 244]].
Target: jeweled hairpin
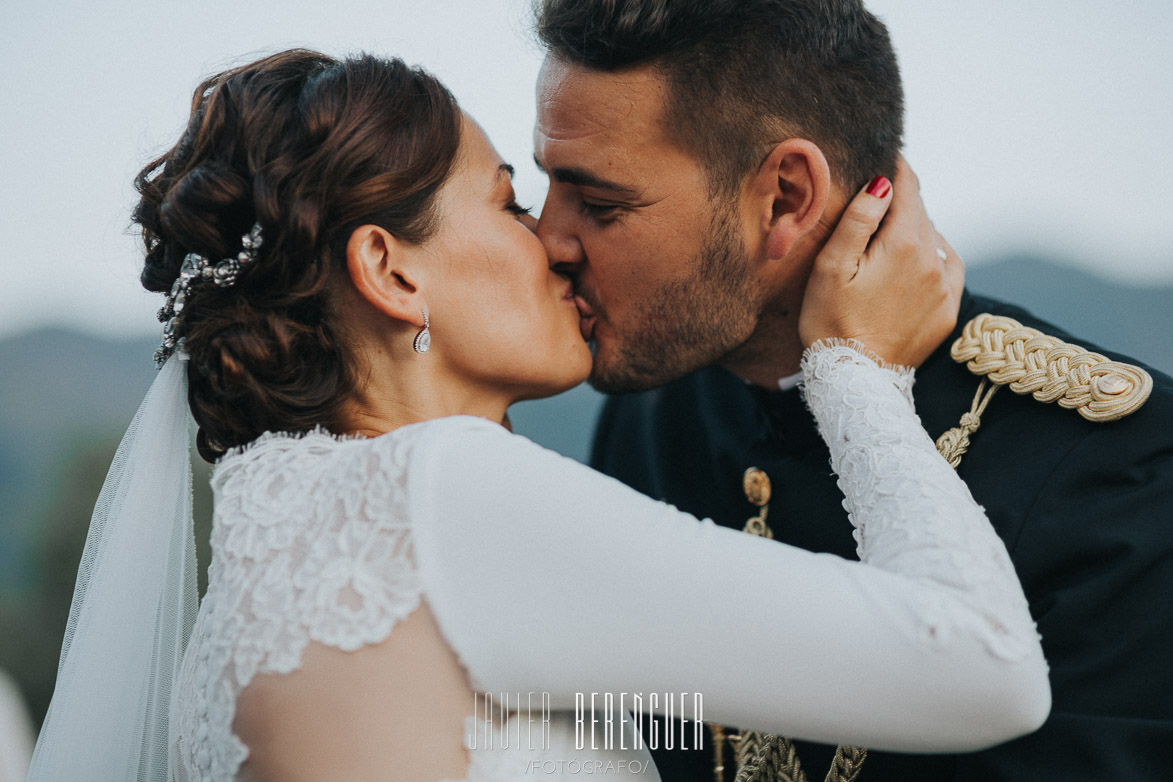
[[196, 267]]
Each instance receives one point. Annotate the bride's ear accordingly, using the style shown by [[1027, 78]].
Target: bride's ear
[[791, 189], [379, 267]]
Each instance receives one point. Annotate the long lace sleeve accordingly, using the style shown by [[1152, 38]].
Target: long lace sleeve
[[912, 515], [546, 576]]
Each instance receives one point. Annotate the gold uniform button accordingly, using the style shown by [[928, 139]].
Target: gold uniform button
[[757, 486]]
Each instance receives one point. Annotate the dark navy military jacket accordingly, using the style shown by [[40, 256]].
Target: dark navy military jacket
[[1085, 509]]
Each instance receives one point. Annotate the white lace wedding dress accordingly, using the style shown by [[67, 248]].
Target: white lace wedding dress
[[545, 576]]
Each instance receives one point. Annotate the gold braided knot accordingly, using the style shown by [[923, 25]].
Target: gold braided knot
[[775, 760], [748, 745], [770, 758], [1031, 362], [847, 764]]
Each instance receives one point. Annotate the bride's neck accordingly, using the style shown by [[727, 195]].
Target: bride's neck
[[392, 394]]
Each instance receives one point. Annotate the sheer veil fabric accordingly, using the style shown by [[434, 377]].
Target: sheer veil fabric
[[133, 606]]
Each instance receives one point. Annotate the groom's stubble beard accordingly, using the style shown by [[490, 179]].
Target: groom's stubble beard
[[689, 324]]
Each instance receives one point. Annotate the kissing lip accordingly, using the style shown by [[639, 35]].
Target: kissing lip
[[587, 317], [584, 309]]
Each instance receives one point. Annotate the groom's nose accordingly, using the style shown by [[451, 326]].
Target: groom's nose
[[557, 234]]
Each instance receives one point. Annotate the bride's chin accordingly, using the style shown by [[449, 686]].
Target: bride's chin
[[572, 370], [584, 360], [574, 377]]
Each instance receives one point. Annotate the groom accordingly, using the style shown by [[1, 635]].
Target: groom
[[654, 119]]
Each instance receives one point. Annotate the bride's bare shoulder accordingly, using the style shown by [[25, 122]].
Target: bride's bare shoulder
[[399, 704]]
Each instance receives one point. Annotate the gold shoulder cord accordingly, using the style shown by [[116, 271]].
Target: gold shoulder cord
[[1002, 352]]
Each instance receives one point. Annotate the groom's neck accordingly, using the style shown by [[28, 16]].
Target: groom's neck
[[774, 350]]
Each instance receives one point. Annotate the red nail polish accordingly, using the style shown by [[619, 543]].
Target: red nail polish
[[879, 187]]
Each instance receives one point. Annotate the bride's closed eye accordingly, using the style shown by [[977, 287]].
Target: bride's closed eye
[[517, 209]]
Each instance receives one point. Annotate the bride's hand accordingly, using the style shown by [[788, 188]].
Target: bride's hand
[[891, 289]]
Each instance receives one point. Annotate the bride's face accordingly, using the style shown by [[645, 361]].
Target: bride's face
[[499, 315]]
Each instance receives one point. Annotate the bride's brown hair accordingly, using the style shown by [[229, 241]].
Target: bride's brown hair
[[310, 148]]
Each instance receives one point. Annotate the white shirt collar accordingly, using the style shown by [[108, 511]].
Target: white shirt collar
[[790, 381]]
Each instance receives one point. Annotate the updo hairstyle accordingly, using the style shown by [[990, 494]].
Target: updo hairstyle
[[310, 148]]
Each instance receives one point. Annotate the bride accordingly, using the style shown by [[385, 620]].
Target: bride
[[354, 299]]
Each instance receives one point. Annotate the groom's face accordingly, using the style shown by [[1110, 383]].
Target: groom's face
[[661, 267]]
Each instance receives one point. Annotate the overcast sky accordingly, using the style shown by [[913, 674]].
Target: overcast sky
[[1041, 125]]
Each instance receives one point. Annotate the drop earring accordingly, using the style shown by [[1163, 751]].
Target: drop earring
[[423, 340]]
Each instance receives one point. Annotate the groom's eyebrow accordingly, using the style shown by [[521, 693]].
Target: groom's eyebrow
[[580, 178]]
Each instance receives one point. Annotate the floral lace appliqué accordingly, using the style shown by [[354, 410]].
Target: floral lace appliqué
[[305, 548]]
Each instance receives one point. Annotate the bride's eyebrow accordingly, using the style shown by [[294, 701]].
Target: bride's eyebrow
[[503, 178], [502, 181]]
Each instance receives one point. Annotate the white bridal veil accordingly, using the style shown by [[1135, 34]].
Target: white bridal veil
[[133, 606]]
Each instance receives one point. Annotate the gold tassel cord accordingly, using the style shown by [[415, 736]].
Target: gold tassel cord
[[718, 732], [954, 443]]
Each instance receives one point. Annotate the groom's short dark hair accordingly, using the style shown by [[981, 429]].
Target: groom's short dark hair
[[746, 74]]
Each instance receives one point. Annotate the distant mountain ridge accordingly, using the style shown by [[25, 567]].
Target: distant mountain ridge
[[1134, 320], [58, 389]]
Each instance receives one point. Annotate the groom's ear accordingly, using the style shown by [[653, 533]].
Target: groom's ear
[[380, 267], [791, 189]]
